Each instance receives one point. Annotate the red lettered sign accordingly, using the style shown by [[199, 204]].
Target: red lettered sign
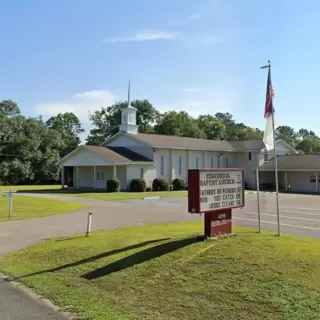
[[215, 189]]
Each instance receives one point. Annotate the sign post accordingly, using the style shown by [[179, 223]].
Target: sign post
[[9, 195], [215, 192]]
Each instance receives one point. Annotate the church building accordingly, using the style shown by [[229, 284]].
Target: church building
[[130, 154]]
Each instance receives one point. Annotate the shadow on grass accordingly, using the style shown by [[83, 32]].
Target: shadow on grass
[[140, 257], [93, 258]]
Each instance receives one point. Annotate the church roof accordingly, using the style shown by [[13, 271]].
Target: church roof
[[157, 140], [117, 154], [294, 162]]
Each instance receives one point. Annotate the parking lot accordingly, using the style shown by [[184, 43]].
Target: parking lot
[[299, 214]]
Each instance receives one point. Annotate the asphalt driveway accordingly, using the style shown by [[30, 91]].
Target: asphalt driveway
[[300, 215]]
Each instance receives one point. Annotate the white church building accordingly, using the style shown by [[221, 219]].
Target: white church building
[[130, 154]]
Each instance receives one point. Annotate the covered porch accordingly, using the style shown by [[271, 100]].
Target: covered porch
[[92, 166]]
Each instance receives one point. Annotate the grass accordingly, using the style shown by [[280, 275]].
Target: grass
[[165, 272], [130, 195], [28, 208], [93, 195], [31, 188]]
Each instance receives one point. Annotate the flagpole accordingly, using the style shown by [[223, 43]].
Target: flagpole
[[276, 172], [275, 157], [258, 196]]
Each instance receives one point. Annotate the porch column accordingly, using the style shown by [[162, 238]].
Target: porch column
[[286, 181], [170, 165], [317, 189], [62, 177], [94, 177], [77, 176], [205, 160], [189, 159], [114, 172]]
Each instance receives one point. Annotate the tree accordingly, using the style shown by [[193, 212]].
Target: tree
[[212, 127], [178, 124], [304, 133], [287, 134], [8, 108], [106, 121], [30, 152], [69, 126], [308, 146]]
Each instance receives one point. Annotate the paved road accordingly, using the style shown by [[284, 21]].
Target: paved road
[[300, 215], [16, 304]]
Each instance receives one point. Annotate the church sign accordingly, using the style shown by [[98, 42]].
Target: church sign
[[215, 192]]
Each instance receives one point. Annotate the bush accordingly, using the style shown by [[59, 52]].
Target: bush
[[171, 187], [113, 185], [148, 189], [160, 184], [186, 187], [138, 185], [178, 184]]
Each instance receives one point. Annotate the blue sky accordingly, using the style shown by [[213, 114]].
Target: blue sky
[[200, 56]]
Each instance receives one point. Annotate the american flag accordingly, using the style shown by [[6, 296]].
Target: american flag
[[269, 97]]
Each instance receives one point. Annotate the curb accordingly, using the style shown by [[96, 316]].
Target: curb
[[36, 297], [151, 198]]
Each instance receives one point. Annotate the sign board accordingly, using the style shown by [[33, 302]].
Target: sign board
[[215, 189], [7, 195]]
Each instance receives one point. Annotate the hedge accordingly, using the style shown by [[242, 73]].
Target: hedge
[[160, 184], [178, 184], [138, 185], [113, 185]]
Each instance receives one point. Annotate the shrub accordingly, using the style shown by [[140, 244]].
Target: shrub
[[148, 189], [178, 184], [171, 187], [138, 185], [186, 187], [160, 184], [113, 185]]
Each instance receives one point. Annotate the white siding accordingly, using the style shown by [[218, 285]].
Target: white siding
[[176, 154], [282, 149], [85, 176], [133, 171], [132, 144], [122, 177], [194, 156], [166, 168], [300, 182], [84, 157], [242, 161]]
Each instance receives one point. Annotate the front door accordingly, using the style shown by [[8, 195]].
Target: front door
[[100, 182]]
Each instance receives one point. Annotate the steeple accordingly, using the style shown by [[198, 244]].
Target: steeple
[[129, 116]]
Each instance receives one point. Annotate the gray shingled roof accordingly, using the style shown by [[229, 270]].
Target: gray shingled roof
[[113, 156], [193, 143], [129, 154], [294, 162]]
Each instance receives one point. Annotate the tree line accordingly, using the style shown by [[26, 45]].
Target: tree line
[[31, 147]]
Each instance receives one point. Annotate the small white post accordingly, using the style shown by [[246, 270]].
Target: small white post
[[10, 202], [89, 223]]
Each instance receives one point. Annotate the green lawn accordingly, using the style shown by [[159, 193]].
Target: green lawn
[[31, 187], [164, 272], [28, 208], [130, 195]]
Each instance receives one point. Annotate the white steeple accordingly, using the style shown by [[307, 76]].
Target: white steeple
[[129, 117]]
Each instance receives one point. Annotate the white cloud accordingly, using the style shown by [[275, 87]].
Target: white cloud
[[144, 35], [194, 17], [81, 104]]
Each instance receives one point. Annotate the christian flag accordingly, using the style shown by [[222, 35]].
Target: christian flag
[[268, 137]]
